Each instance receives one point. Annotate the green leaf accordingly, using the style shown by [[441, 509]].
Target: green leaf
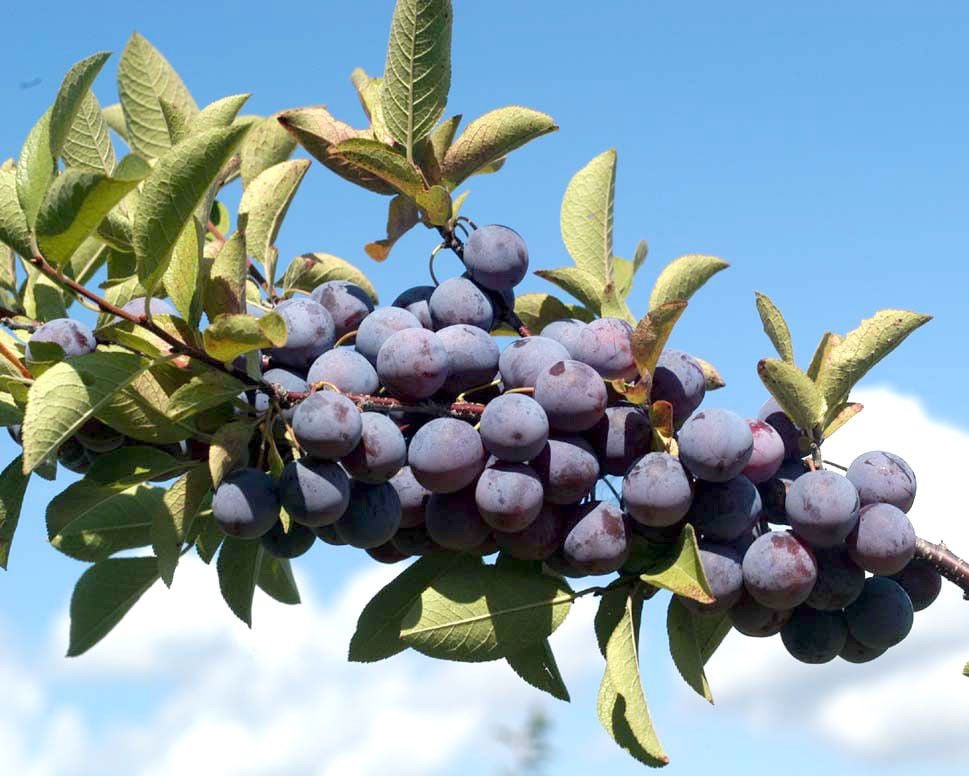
[[230, 448], [318, 132], [713, 378], [229, 336], [14, 230], [170, 527], [436, 204], [10, 413], [490, 137], [485, 613], [864, 347], [797, 394], [139, 410], [691, 635], [264, 204], [622, 703], [68, 394], [680, 570], [581, 284], [417, 74], [77, 201], [114, 117], [277, 581], [586, 219], [377, 636], [103, 595], [13, 485], [209, 389], [238, 565], [225, 287], [538, 310], [182, 277], [266, 145], [176, 120], [683, 277], [402, 216], [435, 146], [172, 192], [775, 327], [220, 113], [310, 270], [35, 169], [382, 162], [653, 332], [209, 539], [70, 97], [87, 260], [841, 415], [88, 143], [369, 91], [145, 78], [822, 355], [43, 298], [536, 665]]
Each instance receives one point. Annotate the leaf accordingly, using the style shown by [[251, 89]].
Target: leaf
[[382, 162], [264, 204], [690, 635], [864, 347], [266, 145], [714, 381], [483, 613], [490, 137], [797, 394], [369, 91], [14, 230], [538, 310], [43, 298], [35, 169], [209, 538], [87, 260], [172, 192], [183, 275], [145, 78], [103, 595], [775, 327], [277, 581], [209, 389], [176, 120], [536, 665], [170, 527], [652, 333], [13, 485], [621, 704], [377, 636], [586, 219], [417, 74], [220, 113], [229, 449], [318, 132], [310, 270], [581, 284], [680, 570], [841, 415], [435, 146], [229, 336], [77, 201], [436, 204], [139, 409], [88, 143], [683, 277], [225, 287], [402, 216], [114, 117], [822, 355], [74, 88], [238, 566]]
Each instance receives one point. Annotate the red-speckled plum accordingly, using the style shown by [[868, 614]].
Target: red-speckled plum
[[346, 302], [605, 345], [572, 395], [678, 379], [446, 455], [514, 427], [309, 332], [380, 453], [413, 364], [509, 496], [524, 359], [458, 300], [822, 508], [779, 570], [715, 445], [472, 357], [73, 337], [376, 328], [597, 542], [621, 436], [883, 541], [656, 491], [883, 478], [568, 469], [327, 425]]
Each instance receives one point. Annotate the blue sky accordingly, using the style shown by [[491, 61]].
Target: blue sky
[[819, 148]]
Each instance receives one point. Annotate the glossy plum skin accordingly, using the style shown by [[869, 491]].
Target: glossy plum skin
[[446, 455], [622, 436], [883, 541], [767, 455], [327, 425], [840, 580], [882, 615], [605, 345], [314, 493], [287, 381], [514, 427], [246, 504], [309, 332], [597, 542], [678, 379], [346, 369], [524, 359], [883, 478], [375, 329], [346, 302], [472, 357], [779, 570], [753, 619], [454, 522], [657, 491], [723, 570], [772, 414], [372, 518], [290, 545], [724, 511], [509, 496], [413, 497], [413, 364], [822, 507], [458, 300], [566, 332], [921, 581], [73, 337], [539, 540], [572, 395], [568, 469], [415, 300], [813, 636], [380, 453], [715, 445], [496, 257]]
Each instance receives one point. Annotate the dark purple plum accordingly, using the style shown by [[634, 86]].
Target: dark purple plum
[[458, 300], [414, 540], [539, 540], [472, 357], [855, 652], [678, 379], [372, 518], [376, 328], [246, 504], [774, 491], [883, 541], [753, 619], [514, 427], [566, 332], [73, 337], [98, 437], [346, 370], [568, 469], [415, 300], [413, 364], [822, 507], [413, 498], [524, 359], [509, 496], [380, 453], [780, 570], [725, 511], [309, 332], [772, 414], [814, 636], [656, 491], [387, 552], [496, 257], [724, 572], [621, 436], [605, 345], [280, 544], [597, 542], [454, 522], [328, 534], [768, 453], [921, 581], [882, 615], [346, 302], [572, 395], [883, 478], [327, 425], [715, 445], [840, 579], [446, 455], [314, 493]]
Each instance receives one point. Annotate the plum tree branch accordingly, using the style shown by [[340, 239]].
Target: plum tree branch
[[946, 562], [464, 410]]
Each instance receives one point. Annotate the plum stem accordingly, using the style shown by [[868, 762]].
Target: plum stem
[[14, 359], [946, 562]]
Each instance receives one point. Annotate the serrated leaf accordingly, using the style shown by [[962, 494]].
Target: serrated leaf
[[13, 485], [230, 449], [238, 565], [586, 219], [417, 74], [652, 333], [683, 277], [680, 570], [264, 204], [209, 538], [145, 78], [402, 216], [202, 392], [581, 284], [70, 97], [103, 595], [229, 336], [88, 143], [822, 354], [172, 192], [277, 581], [170, 527], [841, 415], [797, 394], [35, 169], [537, 666], [309, 270], [14, 230], [483, 613], [864, 347], [711, 375], [76, 202], [225, 287], [691, 635], [490, 137], [266, 145], [775, 327], [183, 274], [377, 636]]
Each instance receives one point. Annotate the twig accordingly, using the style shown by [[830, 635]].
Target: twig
[[14, 359], [946, 562], [369, 403]]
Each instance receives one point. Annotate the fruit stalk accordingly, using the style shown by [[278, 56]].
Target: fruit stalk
[[946, 562]]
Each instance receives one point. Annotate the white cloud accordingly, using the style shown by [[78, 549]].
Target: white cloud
[[913, 699]]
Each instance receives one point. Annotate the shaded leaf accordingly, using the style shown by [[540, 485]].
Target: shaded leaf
[[581, 284], [35, 169], [209, 389], [230, 449], [402, 216], [841, 415], [538, 310], [229, 336], [537, 666], [266, 144], [310, 270], [680, 570], [691, 634], [13, 485], [74, 88], [822, 353], [183, 274], [277, 581], [14, 230], [797, 394], [682, 277], [652, 333], [114, 117], [238, 565], [225, 287], [775, 327], [170, 527]]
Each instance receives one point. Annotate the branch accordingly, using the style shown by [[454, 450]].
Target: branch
[[946, 562], [14, 359], [464, 410]]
